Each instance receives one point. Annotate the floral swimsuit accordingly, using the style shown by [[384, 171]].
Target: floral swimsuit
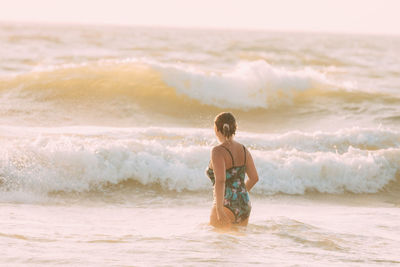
[[236, 196]]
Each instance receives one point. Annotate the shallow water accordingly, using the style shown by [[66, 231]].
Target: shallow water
[[105, 134], [283, 231]]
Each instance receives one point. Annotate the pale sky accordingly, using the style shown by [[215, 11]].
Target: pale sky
[[348, 16]]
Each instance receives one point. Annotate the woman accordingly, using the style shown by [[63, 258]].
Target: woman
[[229, 163]]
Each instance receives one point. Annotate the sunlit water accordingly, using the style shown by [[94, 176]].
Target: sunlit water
[[105, 134]]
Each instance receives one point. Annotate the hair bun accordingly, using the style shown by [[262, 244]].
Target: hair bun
[[225, 130], [226, 124]]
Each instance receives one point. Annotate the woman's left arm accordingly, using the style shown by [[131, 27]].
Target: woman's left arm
[[251, 172]]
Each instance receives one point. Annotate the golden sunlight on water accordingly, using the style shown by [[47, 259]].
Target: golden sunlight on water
[[106, 132]]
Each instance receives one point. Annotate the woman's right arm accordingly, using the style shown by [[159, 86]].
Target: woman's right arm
[[218, 163], [251, 172]]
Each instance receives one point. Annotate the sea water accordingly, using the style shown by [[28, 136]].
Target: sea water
[[105, 134]]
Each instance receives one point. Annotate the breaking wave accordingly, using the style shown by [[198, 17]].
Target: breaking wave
[[82, 159], [132, 85]]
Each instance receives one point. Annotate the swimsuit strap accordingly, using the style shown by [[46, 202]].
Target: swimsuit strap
[[244, 149], [233, 162]]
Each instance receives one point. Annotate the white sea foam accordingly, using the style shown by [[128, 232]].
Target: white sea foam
[[356, 171], [245, 85], [78, 159], [249, 84]]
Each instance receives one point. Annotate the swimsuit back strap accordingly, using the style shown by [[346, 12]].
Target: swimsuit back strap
[[233, 162], [244, 149]]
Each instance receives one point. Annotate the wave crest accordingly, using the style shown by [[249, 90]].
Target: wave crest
[[67, 160], [248, 85]]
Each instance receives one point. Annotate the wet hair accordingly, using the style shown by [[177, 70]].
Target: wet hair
[[226, 124]]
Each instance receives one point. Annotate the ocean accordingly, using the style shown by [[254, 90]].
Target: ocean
[[106, 133]]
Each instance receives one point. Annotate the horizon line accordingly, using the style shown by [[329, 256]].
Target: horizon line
[[196, 27]]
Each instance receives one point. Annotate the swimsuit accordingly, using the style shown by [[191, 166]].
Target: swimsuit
[[236, 196]]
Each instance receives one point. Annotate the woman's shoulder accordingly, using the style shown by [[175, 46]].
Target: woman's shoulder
[[222, 147], [217, 149]]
